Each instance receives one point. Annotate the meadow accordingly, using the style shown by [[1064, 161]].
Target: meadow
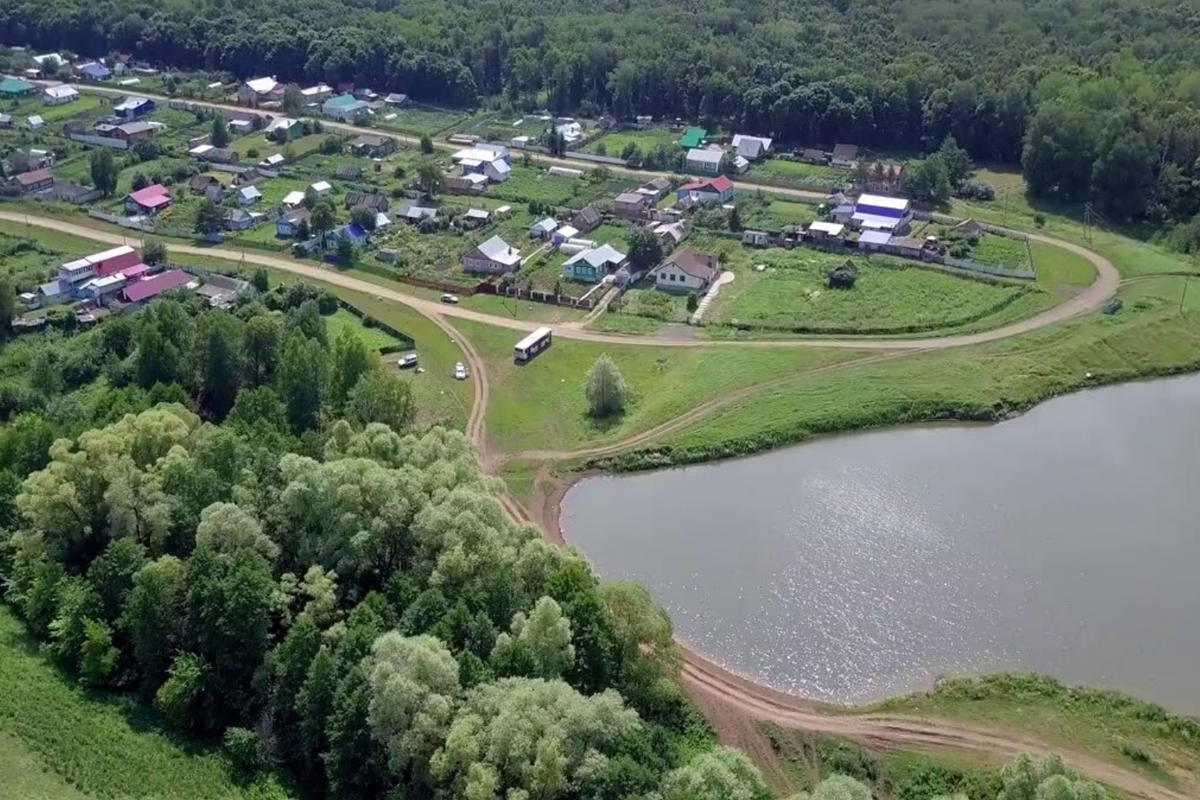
[[58, 742], [612, 144], [890, 295]]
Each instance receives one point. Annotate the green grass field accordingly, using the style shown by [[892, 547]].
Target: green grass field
[[58, 742], [890, 295], [614, 143], [371, 337], [422, 121], [541, 405], [783, 171]]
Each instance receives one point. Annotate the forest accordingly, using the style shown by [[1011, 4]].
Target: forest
[[1096, 98]]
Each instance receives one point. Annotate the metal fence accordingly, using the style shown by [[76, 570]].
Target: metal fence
[[987, 269]]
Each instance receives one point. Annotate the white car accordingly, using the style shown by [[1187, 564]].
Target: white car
[[452, 299], [460, 372]]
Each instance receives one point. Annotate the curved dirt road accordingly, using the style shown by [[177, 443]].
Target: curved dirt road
[[1090, 299]]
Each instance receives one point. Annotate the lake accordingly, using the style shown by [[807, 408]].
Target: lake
[[857, 567]]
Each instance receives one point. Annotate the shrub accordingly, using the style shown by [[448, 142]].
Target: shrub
[[242, 747]]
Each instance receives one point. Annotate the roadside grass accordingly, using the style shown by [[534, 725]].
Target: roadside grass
[[371, 337], [646, 140], [803, 759], [58, 742], [649, 302], [1111, 725], [541, 405], [889, 296], [625, 323]]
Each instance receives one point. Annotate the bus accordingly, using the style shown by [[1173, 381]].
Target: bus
[[532, 344]]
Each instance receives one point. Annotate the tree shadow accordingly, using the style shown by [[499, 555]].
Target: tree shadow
[[603, 424]]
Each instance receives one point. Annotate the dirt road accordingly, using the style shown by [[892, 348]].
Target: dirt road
[[1094, 297]]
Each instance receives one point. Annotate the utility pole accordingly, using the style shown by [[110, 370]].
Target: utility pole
[[1087, 222], [1186, 280]]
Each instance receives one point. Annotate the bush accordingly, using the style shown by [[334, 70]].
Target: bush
[[843, 277], [252, 152], [693, 302], [242, 747], [977, 190], [1039, 219]]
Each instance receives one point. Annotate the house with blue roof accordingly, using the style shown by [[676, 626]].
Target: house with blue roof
[[345, 108], [874, 212], [95, 71]]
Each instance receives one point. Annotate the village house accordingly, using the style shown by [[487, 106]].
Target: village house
[[345, 108], [59, 95], [395, 99], [907, 246], [672, 233], [37, 180], [273, 161], [12, 88], [248, 195], [133, 107], [878, 213], [241, 127], [592, 266], [6, 120], [372, 145], [826, 232], [258, 91], [464, 184], [587, 219], [239, 219], [75, 193], [655, 189], [293, 199], [288, 225], [686, 271], [631, 205], [375, 202], [474, 217], [844, 155], [321, 188], [348, 172], [207, 186], [134, 132], [543, 228], [714, 190], [149, 200], [493, 257], [95, 71], [76, 275], [873, 240], [570, 131], [491, 162], [692, 138], [284, 129], [412, 212], [145, 290], [705, 161], [215, 155], [316, 94], [751, 148]]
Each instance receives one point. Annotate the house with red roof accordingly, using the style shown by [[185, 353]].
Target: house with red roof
[[709, 190], [149, 288], [150, 200]]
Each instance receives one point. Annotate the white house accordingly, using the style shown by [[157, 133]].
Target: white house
[[258, 90], [543, 229], [751, 148], [249, 195], [57, 95], [293, 199], [706, 161], [489, 161], [686, 271], [493, 257], [321, 188], [571, 132]]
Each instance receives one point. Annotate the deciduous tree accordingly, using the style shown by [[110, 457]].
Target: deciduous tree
[[605, 388]]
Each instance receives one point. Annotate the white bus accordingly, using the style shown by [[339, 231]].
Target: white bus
[[532, 344]]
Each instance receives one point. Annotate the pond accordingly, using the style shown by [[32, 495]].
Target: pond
[[857, 567]]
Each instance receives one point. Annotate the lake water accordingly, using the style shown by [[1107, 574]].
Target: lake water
[[857, 567]]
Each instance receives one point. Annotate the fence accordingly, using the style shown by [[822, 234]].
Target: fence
[[597, 159], [114, 219], [986, 269], [536, 296], [406, 342], [99, 141]]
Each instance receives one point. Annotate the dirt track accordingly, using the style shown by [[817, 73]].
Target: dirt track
[[728, 699]]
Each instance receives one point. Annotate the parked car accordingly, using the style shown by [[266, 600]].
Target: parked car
[[452, 299], [460, 372], [407, 361]]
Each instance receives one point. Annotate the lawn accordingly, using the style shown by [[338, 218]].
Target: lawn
[[890, 295], [371, 337], [541, 405], [613, 144], [797, 173], [421, 121], [58, 742], [649, 302]]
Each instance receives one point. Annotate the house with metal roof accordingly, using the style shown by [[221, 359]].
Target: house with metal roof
[[345, 108], [132, 107], [59, 95], [751, 148], [706, 161], [493, 257], [11, 88], [149, 288], [692, 138], [591, 266]]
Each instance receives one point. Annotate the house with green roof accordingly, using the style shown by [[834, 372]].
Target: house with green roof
[[12, 87], [692, 137], [344, 108]]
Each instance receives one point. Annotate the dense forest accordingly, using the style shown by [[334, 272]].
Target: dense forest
[[1097, 98]]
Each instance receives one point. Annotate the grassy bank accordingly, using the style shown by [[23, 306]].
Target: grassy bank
[[1108, 724], [58, 742]]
